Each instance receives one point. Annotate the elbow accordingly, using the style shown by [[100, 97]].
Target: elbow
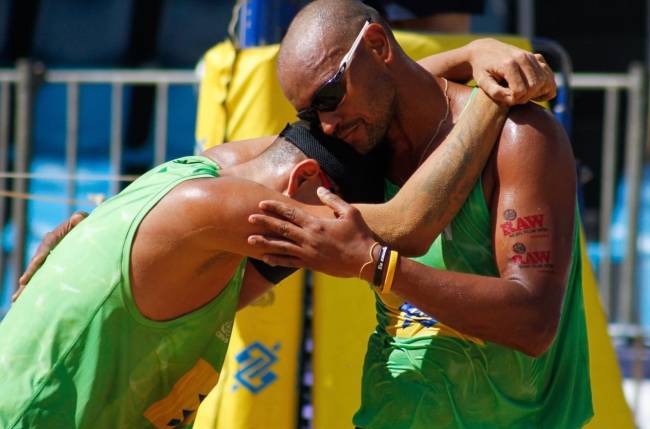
[[540, 339], [540, 325]]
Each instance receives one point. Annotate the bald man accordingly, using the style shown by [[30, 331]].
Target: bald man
[[487, 328]]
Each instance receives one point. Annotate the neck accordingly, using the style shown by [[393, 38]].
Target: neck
[[271, 176], [411, 133]]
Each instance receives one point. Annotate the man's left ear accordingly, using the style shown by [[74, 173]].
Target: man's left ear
[[304, 170]]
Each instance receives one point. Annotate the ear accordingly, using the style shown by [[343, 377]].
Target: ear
[[379, 42], [304, 170]]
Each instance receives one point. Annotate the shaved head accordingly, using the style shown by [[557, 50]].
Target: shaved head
[[319, 36]]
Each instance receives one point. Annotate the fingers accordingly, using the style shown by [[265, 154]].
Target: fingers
[[16, 294], [76, 218], [270, 245], [494, 90], [549, 91], [333, 201], [280, 227], [516, 80], [33, 266], [533, 74], [293, 214], [527, 77]]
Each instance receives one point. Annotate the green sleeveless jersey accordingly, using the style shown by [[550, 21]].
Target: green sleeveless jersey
[[420, 373], [75, 352]]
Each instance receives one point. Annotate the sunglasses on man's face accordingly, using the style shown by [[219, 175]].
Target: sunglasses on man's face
[[329, 95]]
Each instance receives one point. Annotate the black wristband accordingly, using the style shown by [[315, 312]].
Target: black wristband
[[381, 265], [273, 274]]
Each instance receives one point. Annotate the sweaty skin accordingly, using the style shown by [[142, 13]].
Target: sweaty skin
[[200, 229], [521, 308], [478, 57]]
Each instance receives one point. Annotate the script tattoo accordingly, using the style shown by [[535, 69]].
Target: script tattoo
[[454, 179], [515, 226], [538, 259]]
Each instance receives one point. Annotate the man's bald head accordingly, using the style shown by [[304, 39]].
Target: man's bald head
[[319, 36]]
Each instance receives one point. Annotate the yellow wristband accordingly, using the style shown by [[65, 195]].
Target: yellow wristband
[[390, 272]]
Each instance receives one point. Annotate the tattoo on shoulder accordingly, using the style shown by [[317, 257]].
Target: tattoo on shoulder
[[515, 225]]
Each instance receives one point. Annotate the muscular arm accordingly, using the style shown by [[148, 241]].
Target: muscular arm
[[533, 212], [430, 198], [521, 307]]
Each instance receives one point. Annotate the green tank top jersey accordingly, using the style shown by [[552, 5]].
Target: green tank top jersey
[[75, 352], [419, 373]]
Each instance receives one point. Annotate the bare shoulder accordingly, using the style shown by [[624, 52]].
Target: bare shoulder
[[533, 148], [208, 195], [531, 130]]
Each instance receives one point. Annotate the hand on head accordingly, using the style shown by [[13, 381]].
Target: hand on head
[[337, 246]]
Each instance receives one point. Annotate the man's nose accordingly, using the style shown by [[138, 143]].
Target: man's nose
[[329, 121]]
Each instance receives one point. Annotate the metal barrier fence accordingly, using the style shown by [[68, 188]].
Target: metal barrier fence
[[24, 80], [623, 310]]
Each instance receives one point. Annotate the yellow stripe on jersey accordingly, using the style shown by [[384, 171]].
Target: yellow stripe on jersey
[[407, 321], [180, 406]]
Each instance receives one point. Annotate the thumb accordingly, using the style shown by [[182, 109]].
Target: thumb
[[333, 201]]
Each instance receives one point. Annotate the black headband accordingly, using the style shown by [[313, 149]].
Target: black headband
[[360, 178]]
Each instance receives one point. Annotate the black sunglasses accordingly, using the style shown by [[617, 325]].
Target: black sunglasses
[[329, 95]]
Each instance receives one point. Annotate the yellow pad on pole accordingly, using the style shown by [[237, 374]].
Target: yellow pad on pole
[[241, 98], [610, 408]]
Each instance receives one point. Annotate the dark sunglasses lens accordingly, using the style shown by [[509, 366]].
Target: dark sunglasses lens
[[329, 96], [308, 115]]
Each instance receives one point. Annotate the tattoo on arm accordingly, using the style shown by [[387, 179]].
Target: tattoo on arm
[[454, 178], [539, 259], [529, 227]]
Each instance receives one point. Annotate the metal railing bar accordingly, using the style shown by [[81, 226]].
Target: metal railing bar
[[598, 81], [24, 100], [116, 135], [9, 75], [160, 142], [72, 137], [608, 184], [633, 169], [123, 76], [5, 89], [65, 177], [93, 199]]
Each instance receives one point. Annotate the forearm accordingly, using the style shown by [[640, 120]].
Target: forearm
[[435, 192], [505, 311], [453, 64]]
